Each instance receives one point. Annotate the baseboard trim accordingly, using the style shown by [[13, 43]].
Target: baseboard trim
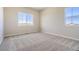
[[18, 34], [63, 36]]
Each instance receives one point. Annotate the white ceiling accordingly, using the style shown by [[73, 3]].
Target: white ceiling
[[39, 8]]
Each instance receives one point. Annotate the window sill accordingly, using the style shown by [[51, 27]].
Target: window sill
[[25, 24], [72, 25]]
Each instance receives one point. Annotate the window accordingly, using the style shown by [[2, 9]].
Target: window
[[25, 18], [72, 15]]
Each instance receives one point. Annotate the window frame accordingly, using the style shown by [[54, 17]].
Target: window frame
[[72, 21], [26, 23]]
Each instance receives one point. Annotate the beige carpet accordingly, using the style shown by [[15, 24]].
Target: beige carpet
[[38, 42]]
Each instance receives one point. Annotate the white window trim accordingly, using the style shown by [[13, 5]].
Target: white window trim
[[71, 24], [22, 24]]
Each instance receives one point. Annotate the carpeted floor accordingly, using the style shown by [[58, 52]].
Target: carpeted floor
[[38, 42]]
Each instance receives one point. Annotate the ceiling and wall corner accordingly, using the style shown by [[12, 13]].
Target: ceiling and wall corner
[[39, 8]]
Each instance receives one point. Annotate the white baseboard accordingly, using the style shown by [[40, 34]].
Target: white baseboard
[[17, 34], [63, 36]]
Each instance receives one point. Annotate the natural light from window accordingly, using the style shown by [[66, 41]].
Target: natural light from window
[[25, 18], [72, 15]]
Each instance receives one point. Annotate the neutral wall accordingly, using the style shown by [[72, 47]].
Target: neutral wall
[[1, 25], [52, 21], [11, 26]]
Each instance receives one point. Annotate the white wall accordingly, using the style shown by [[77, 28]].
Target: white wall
[[1, 25], [52, 21], [11, 25]]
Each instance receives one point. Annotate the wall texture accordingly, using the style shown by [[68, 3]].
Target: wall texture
[[52, 21], [1, 25], [11, 25]]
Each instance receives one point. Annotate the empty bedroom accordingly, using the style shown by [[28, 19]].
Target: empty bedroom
[[39, 28]]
